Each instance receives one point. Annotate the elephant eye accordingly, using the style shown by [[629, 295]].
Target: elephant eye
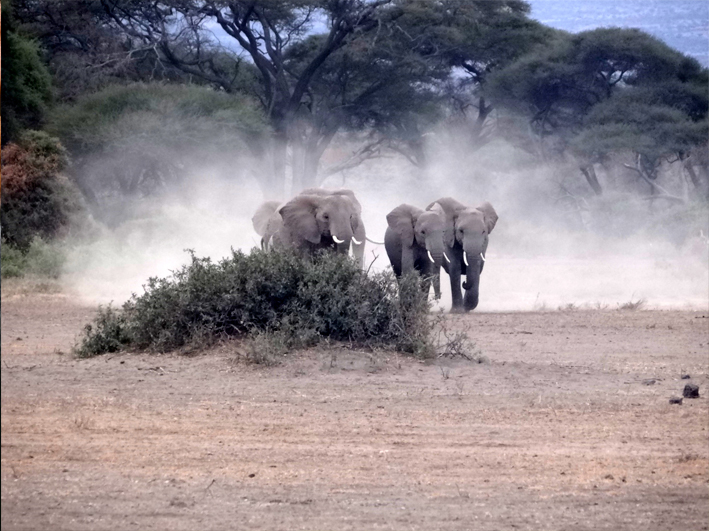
[[326, 216]]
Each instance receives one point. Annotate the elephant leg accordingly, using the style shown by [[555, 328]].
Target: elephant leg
[[407, 259]]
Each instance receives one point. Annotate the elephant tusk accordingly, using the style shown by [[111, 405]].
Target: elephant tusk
[[482, 256], [337, 240], [431, 257], [356, 241], [465, 258], [446, 257]]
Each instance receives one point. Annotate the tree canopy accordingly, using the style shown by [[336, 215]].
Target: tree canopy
[[26, 90], [610, 91]]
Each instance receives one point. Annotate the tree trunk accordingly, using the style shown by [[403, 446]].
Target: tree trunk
[[311, 161], [699, 186], [590, 173], [273, 182]]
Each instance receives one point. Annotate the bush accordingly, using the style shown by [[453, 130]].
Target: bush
[[40, 259], [276, 298], [36, 200], [12, 261], [108, 333]]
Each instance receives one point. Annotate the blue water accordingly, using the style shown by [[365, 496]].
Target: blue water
[[683, 24]]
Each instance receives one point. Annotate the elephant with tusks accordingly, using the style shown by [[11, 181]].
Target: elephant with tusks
[[414, 241], [314, 219], [465, 237]]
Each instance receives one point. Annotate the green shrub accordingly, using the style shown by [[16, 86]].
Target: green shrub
[[12, 261], [39, 259], [108, 333], [299, 300]]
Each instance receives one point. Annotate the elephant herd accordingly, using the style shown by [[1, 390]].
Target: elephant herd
[[446, 234]]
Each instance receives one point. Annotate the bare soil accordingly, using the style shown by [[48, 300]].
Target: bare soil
[[566, 426]]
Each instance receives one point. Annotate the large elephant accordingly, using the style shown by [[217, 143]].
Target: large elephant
[[359, 232], [315, 219], [465, 236], [414, 241]]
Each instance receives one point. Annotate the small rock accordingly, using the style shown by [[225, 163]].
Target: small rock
[[686, 376], [651, 381], [676, 400], [691, 391], [252, 475]]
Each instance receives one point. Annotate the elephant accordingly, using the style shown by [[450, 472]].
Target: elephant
[[315, 219], [414, 241], [465, 236], [360, 234]]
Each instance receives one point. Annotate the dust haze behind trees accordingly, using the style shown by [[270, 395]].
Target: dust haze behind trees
[[591, 146]]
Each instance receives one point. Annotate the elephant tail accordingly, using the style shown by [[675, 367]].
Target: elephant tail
[[375, 243]]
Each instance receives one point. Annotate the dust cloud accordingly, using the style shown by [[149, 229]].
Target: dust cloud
[[554, 245]]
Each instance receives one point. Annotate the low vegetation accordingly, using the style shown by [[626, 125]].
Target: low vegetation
[[41, 259], [277, 301]]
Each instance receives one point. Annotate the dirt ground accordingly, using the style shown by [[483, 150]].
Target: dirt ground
[[566, 426]]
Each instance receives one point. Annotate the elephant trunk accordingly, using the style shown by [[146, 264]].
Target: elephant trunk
[[472, 283], [434, 249], [341, 235]]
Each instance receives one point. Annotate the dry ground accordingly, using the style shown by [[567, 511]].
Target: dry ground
[[558, 430]]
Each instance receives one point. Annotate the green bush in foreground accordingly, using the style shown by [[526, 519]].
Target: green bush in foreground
[[267, 296]]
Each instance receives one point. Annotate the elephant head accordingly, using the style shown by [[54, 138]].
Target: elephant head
[[355, 212], [317, 221], [417, 228], [466, 235]]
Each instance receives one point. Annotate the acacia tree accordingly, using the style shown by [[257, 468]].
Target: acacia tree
[[605, 91], [181, 32], [26, 92], [474, 38]]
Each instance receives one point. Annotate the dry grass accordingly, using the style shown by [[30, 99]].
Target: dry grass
[[633, 305]]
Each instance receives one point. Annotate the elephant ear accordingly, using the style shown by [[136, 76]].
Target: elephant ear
[[489, 214], [299, 217], [263, 214], [402, 220]]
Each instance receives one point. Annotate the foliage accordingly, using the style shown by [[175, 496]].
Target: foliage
[[108, 333], [133, 140], [26, 90], [84, 52], [607, 92], [12, 261], [36, 199], [41, 259], [299, 300]]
